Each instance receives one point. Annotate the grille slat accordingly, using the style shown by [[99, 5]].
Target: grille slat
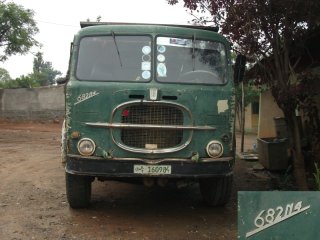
[[155, 114]]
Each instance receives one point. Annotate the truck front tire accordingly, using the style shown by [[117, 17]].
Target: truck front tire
[[216, 191], [78, 190]]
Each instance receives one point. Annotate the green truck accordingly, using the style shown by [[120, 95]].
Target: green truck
[[149, 103]]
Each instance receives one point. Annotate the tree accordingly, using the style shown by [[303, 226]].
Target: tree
[[17, 30], [26, 82], [43, 72], [4, 75], [38, 62], [273, 34], [4, 78], [20, 82], [245, 94]]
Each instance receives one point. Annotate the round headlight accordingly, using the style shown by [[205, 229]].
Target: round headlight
[[86, 147], [214, 149]]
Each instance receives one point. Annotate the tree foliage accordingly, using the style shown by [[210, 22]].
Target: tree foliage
[[274, 35], [43, 75], [17, 29], [26, 82], [43, 71], [4, 78], [259, 28], [20, 82], [4, 75]]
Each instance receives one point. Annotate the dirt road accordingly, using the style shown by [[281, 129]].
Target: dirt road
[[33, 202]]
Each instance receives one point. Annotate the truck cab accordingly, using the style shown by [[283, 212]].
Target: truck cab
[[152, 104]]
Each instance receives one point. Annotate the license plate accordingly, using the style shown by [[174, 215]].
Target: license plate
[[152, 170]]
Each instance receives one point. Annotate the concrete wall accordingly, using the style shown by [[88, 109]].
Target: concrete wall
[[32, 104]]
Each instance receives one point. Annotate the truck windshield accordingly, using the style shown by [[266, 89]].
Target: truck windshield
[[182, 60], [129, 58], [114, 58]]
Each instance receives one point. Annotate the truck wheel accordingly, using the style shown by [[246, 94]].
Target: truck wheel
[[216, 191], [78, 190]]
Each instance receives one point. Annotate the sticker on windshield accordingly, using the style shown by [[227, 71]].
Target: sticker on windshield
[[178, 41], [146, 66], [161, 58], [146, 50], [146, 74], [161, 70], [146, 58], [161, 49]]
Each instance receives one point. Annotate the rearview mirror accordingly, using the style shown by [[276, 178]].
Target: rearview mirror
[[239, 68], [61, 80]]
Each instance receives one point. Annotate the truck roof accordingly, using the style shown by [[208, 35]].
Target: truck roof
[[208, 28]]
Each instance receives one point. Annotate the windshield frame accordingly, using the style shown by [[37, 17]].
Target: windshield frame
[[153, 38]]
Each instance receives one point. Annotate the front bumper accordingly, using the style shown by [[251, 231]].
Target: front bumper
[[180, 168]]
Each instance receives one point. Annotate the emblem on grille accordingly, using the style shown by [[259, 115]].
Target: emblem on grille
[[153, 92]]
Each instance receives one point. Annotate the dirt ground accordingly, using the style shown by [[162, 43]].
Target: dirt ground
[[33, 202]]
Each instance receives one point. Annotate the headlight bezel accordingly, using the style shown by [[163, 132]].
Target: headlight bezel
[[209, 151], [86, 141]]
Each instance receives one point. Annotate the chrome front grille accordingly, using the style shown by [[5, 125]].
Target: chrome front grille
[[152, 114]]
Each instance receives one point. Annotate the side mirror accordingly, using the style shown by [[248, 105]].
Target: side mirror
[[61, 80], [239, 68]]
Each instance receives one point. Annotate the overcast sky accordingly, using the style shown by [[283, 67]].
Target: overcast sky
[[58, 21]]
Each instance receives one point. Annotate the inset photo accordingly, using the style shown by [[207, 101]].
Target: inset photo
[[278, 215]]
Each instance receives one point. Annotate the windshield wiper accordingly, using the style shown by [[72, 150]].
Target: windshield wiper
[[193, 51], [115, 43]]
